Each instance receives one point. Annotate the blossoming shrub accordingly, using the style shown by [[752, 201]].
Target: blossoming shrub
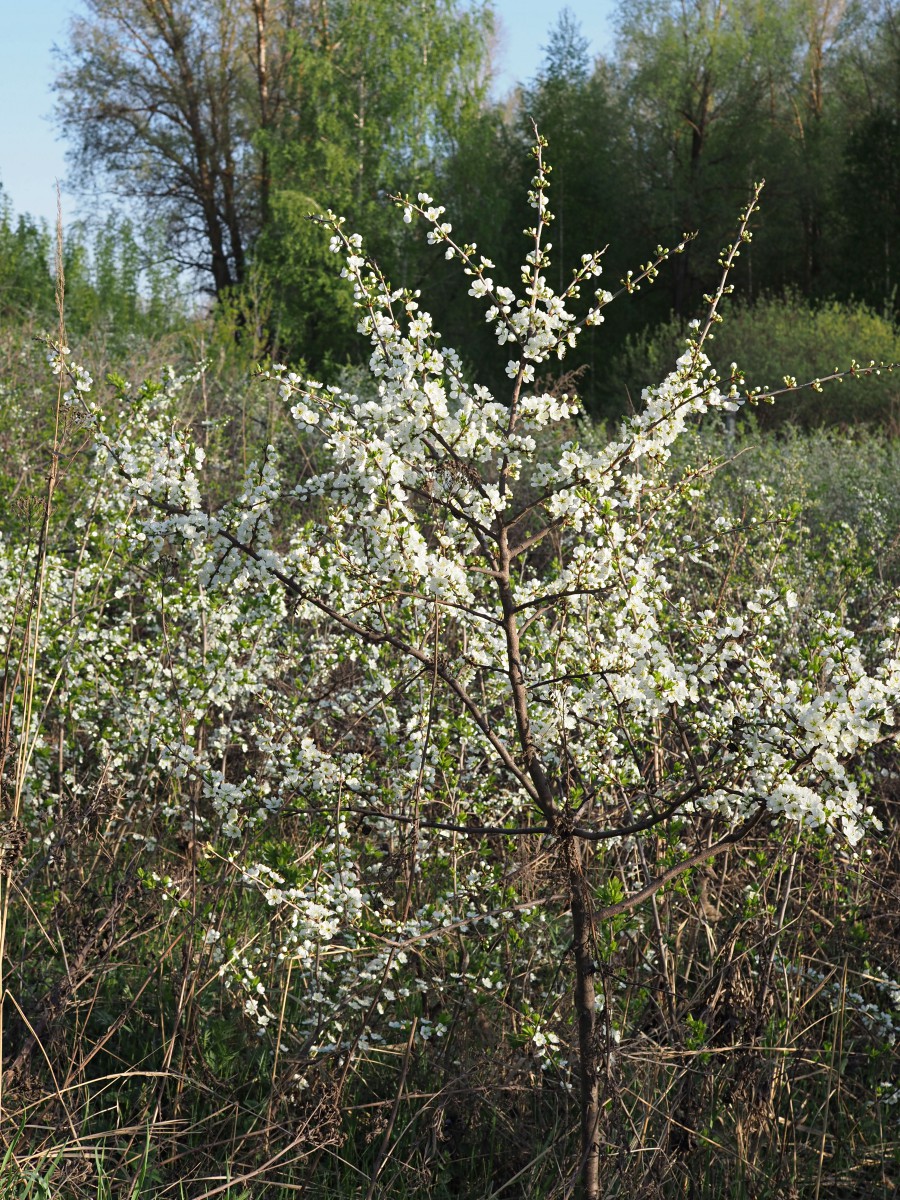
[[437, 765]]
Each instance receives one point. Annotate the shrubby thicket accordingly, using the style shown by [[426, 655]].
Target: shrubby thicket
[[414, 789], [778, 335]]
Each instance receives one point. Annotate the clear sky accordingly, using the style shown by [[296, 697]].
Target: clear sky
[[32, 159]]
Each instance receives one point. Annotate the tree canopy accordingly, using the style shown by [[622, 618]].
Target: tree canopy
[[232, 122]]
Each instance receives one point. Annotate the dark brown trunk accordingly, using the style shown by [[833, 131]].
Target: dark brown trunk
[[586, 1018], [260, 13], [221, 269], [206, 151], [582, 923]]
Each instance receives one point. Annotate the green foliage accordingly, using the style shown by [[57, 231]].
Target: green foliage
[[378, 96], [694, 78], [717, 95], [120, 285], [26, 285], [869, 186], [115, 285], [771, 338]]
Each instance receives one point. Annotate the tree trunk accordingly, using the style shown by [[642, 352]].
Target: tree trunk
[[260, 14], [585, 1016]]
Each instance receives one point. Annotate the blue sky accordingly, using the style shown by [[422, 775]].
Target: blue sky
[[32, 159]]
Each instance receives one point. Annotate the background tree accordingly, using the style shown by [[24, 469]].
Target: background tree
[[703, 93], [112, 288], [25, 254], [232, 122], [163, 101], [377, 96], [867, 191]]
